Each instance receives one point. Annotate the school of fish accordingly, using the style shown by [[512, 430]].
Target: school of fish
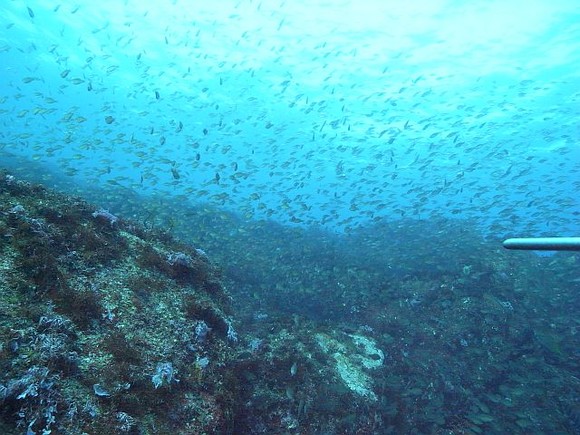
[[256, 112]]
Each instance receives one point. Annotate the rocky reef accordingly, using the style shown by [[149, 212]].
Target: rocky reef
[[112, 325], [105, 326]]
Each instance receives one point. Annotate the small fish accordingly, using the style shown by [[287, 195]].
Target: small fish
[[29, 79], [30, 12], [64, 73], [77, 81], [162, 140], [98, 389], [294, 369], [205, 131], [179, 127], [175, 174], [157, 96], [109, 119]]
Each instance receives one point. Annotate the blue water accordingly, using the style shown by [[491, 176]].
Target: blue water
[[306, 113]]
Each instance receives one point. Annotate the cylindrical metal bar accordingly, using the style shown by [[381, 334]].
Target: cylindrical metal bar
[[544, 244]]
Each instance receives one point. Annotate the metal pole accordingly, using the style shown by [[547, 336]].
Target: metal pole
[[544, 244]]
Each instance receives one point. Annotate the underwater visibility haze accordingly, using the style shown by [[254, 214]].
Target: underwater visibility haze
[[286, 216]]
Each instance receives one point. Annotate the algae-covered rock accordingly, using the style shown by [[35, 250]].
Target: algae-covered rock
[[354, 356], [105, 326]]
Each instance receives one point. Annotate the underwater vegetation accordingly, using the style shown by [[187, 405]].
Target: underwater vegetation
[[106, 327], [108, 324]]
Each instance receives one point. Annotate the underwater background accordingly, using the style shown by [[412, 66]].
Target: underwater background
[[286, 216]]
